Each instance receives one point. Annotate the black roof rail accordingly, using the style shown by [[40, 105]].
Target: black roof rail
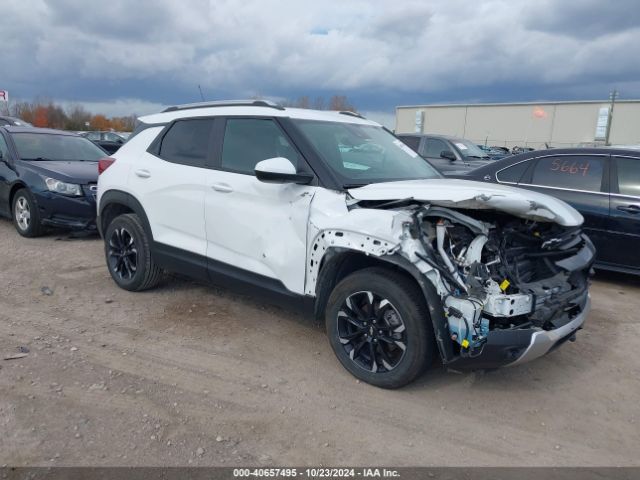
[[351, 114], [225, 103]]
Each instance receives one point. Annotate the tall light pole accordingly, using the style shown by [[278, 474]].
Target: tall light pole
[[612, 99]]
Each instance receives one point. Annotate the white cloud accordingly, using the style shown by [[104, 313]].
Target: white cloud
[[388, 119], [280, 46]]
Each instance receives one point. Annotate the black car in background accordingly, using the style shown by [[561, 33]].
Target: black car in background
[[13, 121], [450, 155], [603, 184], [515, 150], [47, 178], [493, 153], [110, 142]]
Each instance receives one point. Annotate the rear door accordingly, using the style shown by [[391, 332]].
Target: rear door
[[170, 182], [583, 182], [624, 224]]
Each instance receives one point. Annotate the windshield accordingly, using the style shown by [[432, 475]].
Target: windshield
[[46, 146], [467, 148], [363, 154]]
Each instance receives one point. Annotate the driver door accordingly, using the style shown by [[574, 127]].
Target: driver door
[[259, 228]]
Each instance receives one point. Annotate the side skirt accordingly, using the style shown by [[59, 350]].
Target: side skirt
[[205, 269]]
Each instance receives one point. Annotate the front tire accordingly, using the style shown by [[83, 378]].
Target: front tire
[[128, 253], [379, 327], [26, 217]]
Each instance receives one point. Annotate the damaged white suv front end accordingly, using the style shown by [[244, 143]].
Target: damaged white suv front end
[[504, 271]]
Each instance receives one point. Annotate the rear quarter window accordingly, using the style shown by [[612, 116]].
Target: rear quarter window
[[187, 142], [514, 173], [571, 171]]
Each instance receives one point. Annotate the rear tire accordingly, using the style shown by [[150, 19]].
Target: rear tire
[[379, 327], [25, 214], [128, 254]]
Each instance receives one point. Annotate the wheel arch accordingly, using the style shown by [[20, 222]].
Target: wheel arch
[[117, 202], [12, 193], [338, 262]]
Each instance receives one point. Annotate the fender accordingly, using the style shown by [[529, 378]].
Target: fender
[[333, 260], [123, 198]]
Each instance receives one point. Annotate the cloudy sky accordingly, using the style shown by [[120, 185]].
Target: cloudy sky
[[125, 56]]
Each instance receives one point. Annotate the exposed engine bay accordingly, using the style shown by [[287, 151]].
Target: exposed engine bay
[[497, 272], [493, 272], [505, 272]]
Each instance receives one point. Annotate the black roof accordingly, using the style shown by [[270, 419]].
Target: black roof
[[49, 131]]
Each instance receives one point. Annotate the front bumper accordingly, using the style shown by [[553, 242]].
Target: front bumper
[[545, 340], [72, 213], [513, 347]]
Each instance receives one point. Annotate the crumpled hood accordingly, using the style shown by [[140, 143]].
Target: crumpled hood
[[475, 195]]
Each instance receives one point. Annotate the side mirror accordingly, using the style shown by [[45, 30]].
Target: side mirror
[[448, 154], [280, 170]]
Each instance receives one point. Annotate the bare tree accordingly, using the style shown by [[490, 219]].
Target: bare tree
[[78, 117], [318, 103], [341, 103], [303, 102]]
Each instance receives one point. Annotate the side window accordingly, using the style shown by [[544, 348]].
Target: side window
[[629, 176], [187, 142], [513, 173], [93, 136], [435, 147], [572, 171], [411, 141], [4, 148], [248, 141], [112, 137]]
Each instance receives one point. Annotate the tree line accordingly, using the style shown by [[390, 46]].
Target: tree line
[[48, 114], [336, 102]]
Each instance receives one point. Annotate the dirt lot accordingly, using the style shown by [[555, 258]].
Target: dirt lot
[[191, 374]]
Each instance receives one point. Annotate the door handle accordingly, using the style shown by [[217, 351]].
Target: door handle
[[630, 208], [222, 187], [143, 173]]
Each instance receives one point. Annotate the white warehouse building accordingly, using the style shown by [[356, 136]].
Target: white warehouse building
[[557, 124]]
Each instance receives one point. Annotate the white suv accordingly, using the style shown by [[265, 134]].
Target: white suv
[[332, 212]]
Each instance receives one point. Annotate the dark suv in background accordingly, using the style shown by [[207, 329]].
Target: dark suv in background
[[450, 155]]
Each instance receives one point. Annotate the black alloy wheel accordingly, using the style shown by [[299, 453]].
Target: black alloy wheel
[[122, 253], [372, 332], [127, 249], [379, 327]]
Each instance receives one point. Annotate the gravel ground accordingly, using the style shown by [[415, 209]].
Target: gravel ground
[[196, 375]]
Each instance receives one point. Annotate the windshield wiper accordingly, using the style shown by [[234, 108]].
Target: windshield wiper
[[354, 185], [38, 159]]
